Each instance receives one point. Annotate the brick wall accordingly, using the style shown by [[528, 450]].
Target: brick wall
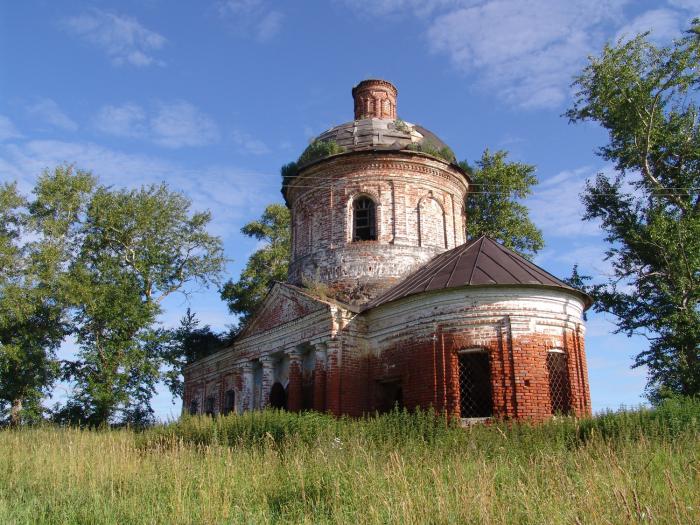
[[419, 213]]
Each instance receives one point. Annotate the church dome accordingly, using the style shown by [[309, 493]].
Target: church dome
[[376, 126]]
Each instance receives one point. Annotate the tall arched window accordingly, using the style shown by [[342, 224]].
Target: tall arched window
[[475, 384], [559, 387], [364, 219]]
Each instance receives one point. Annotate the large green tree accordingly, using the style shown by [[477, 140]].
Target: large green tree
[[494, 206], [138, 247], [265, 266], [36, 243], [646, 98]]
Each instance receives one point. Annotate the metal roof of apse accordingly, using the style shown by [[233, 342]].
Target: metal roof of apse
[[482, 262]]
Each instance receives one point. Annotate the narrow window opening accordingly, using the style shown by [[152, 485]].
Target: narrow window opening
[[475, 394], [364, 220], [209, 406], [194, 407], [559, 386], [229, 402]]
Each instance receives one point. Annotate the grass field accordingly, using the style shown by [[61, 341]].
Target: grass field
[[629, 467]]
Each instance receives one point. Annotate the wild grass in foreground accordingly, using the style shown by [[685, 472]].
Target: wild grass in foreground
[[631, 466]]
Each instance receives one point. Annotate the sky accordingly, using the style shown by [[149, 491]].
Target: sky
[[213, 96]]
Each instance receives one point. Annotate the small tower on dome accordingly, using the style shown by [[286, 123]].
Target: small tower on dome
[[375, 98]]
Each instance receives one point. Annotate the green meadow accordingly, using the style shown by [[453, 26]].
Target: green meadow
[[631, 466]]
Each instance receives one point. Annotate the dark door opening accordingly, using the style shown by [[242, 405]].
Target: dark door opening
[[389, 395], [278, 396], [475, 385]]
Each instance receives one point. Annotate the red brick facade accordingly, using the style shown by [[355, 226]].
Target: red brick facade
[[316, 339]]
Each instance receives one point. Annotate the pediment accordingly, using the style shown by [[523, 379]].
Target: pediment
[[282, 305]]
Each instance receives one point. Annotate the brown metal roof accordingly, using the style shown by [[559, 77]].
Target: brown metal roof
[[481, 262]]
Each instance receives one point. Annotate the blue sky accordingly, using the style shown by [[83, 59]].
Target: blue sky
[[214, 96]]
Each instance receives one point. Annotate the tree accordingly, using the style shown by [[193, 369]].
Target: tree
[[492, 204], [188, 343], [645, 97], [265, 266], [138, 247], [35, 245]]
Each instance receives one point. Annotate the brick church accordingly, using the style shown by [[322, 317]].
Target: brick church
[[387, 302]]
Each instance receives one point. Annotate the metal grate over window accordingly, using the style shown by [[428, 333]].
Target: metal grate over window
[[559, 386], [475, 384], [364, 220]]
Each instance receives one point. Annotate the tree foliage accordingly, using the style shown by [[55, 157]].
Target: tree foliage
[[138, 247], [646, 98], [93, 262], [189, 342], [267, 265], [493, 206], [36, 241]]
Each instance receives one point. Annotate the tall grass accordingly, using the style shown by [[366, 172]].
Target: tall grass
[[638, 466]]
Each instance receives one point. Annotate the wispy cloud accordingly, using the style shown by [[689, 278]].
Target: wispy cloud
[[246, 193], [8, 130], [181, 124], [556, 205], [527, 52], [664, 25], [251, 18], [172, 125], [123, 38], [47, 111], [249, 144]]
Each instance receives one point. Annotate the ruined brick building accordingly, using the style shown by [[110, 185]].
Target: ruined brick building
[[388, 302]]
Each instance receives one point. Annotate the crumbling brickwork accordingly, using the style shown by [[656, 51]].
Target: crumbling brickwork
[[419, 213], [504, 340]]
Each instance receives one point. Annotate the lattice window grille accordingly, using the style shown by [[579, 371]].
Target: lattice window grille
[[476, 399], [559, 385]]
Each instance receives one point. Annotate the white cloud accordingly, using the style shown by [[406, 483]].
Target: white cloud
[[127, 120], [526, 51], [251, 18], [420, 8], [182, 124], [48, 111], [689, 5], [664, 24], [172, 125], [247, 192], [556, 205], [7, 129], [123, 38], [250, 144]]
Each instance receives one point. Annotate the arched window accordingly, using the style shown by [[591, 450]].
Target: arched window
[[364, 219], [559, 387], [229, 402], [475, 384]]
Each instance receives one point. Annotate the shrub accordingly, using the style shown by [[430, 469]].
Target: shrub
[[443, 152]]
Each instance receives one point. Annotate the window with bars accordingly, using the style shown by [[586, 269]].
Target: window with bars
[[364, 213], [475, 394], [559, 385], [229, 402]]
